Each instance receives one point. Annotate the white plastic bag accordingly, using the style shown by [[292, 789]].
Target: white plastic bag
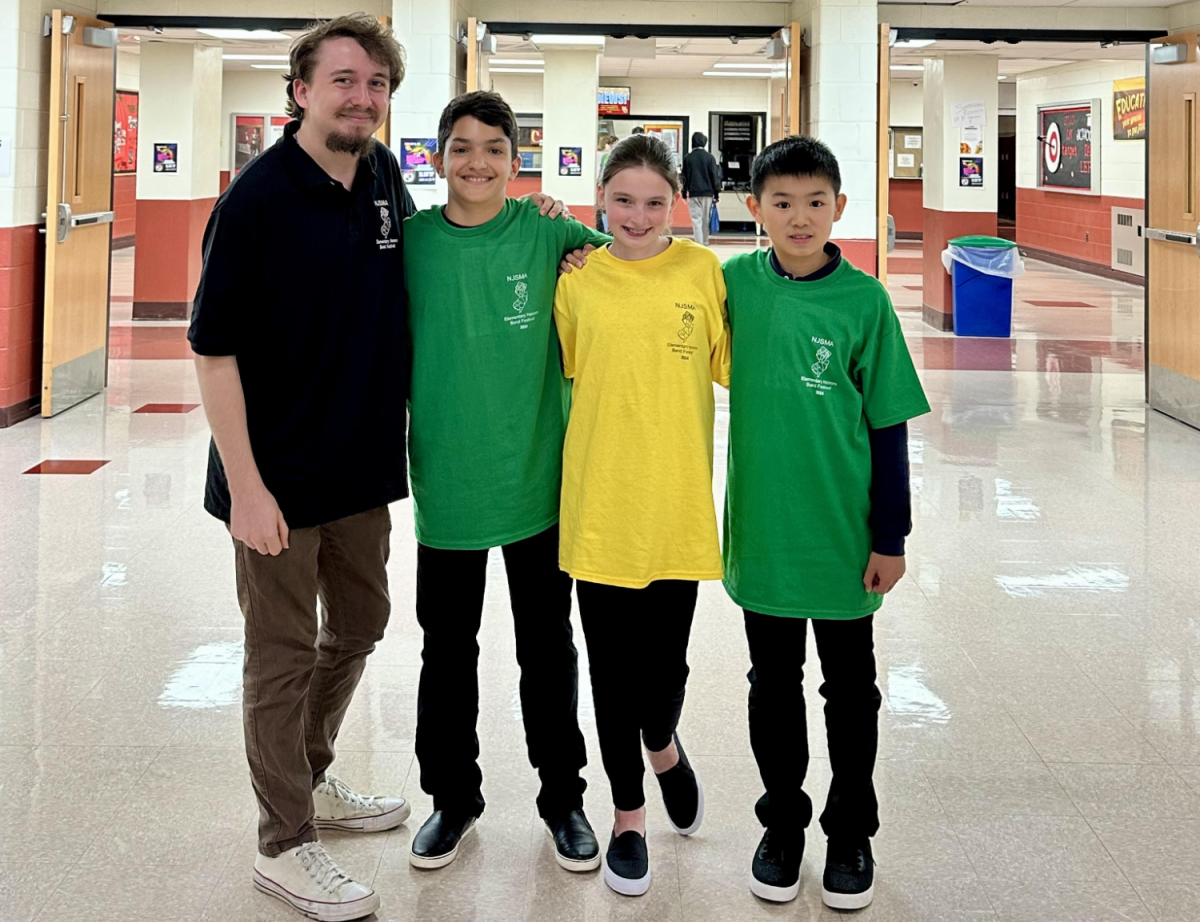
[[1004, 262]]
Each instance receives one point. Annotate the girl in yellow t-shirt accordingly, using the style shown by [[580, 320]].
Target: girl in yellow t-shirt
[[644, 336]]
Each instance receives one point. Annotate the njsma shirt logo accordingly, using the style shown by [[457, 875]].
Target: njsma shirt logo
[[386, 241], [823, 356]]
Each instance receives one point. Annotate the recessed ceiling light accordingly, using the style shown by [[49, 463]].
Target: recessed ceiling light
[[909, 68], [568, 39], [247, 34], [915, 43], [527, 61], [270, 66], [516, 70], [254, 57], [733, 73], [1001, 78], [744, 66]]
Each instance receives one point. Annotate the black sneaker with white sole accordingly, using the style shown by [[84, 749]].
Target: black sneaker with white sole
[[436, 845], [775, 874], [575, 845], [849, 881], [627, 864], [682, 794]]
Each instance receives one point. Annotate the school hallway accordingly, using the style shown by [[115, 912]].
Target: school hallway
[[1039, 755]]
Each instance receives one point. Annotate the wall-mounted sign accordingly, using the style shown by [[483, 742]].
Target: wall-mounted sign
[[969, 114], [166, 158], [912, 142], [970, 172], [1068, 147], [1129, 109], [570, 161], [906, 161], [970, 141], [125, 130], [613, 100], [416, 163]]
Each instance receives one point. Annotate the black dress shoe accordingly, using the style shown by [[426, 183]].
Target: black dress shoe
[[627, 864], [436, 845], [682, 795], [775, 874], [849, 881], [575, 845]]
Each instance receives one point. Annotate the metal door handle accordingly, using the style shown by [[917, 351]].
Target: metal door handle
[[96, 217], [67, 220], [1192, 240]]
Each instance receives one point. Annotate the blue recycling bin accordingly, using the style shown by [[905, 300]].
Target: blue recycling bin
[[982, 298]]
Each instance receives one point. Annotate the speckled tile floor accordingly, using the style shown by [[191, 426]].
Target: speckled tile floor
[[1039, 744]]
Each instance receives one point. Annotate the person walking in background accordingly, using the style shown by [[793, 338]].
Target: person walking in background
[[701, 186], [602, 148]]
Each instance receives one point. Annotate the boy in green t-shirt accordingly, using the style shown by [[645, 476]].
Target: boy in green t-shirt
[[488, 413], [817, 507]]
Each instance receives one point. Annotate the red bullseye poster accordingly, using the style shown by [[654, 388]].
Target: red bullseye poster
[[1067, 147]]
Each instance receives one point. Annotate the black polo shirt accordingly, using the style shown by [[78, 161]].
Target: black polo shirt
[[303, 281]]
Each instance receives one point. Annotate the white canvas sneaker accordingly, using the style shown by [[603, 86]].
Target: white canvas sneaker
[[307, 879], [337, 807]]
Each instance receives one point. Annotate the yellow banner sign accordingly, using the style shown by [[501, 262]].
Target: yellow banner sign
[[1129, 109]]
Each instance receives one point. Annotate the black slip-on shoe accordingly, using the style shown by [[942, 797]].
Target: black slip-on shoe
[[775, 874], [575, 845], [436, 845], [627, 864], [849, 881], [682, 794]]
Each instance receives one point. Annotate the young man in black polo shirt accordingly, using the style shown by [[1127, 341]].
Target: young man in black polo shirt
[[301, 336]]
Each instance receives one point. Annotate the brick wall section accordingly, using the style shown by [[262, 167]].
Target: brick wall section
[[125, 209], [21, 285], [1077, 226]]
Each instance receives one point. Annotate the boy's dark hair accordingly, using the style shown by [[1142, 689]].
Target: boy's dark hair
[[795, 156], [641, 150], [490, 108], [376, 39]]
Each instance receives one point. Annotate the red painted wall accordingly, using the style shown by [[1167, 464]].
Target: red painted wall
[[1078, 226], [167, 267], [940, 228], [906, 204], [124, 206], [22, 273]]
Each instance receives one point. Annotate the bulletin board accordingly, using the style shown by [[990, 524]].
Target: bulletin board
[[1068, 147], [125, 132], [908, 152]]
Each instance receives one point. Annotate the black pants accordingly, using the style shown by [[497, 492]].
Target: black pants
[[779, 732], [637, 643], [450, 588]]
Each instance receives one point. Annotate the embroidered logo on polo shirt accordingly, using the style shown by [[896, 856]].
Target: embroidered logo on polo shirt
[[386, 241]]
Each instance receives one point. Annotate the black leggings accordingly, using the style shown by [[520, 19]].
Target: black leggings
[[637, 645]]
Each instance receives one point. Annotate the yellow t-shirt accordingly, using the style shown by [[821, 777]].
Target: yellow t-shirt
[[643, 341]]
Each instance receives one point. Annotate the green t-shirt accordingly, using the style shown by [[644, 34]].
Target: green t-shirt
[[489, 402], [814, 364]]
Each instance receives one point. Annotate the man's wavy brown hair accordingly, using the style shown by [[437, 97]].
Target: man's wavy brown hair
[[376, 39]]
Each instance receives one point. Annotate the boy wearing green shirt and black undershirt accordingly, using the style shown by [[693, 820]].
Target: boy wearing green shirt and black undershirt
[[817, 507], [488, 413]]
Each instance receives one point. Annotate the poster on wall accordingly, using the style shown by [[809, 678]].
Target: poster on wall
[[970, 141], [970, 172], [166, 158], [125, 127], [416, 164], [613, 100], [1065, 139], [1129, 109], [570, 161]]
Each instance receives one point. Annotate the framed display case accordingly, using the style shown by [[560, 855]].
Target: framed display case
[[1069, 147], [907, 153], [125, 132], [251, 134], [529, 142]]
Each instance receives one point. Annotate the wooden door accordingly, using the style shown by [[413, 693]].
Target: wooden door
[[78, 210], [883, 77], [1173, 268]]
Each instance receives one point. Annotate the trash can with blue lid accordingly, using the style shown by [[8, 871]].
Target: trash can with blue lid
[[983, 269]]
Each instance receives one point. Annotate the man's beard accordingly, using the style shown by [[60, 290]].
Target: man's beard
[[358, 145]]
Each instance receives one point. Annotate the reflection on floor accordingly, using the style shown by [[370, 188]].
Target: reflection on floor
[[1040, 741]]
